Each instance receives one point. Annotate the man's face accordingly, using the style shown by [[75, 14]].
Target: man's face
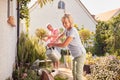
[[50, 27]]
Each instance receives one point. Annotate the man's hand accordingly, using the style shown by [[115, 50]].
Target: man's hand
[[50, 44]]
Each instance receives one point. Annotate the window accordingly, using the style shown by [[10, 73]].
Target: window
[[61, 5]]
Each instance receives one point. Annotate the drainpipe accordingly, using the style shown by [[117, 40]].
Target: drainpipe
[[8, 8], [18, 22]]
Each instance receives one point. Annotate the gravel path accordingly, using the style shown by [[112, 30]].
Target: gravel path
[[67, 71]]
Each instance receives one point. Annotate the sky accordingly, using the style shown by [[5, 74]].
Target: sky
[[98, 6]]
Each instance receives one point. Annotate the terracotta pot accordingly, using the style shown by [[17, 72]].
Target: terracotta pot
[[11, 21]]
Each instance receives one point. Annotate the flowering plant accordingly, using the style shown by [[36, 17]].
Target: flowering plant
[[106, 68]]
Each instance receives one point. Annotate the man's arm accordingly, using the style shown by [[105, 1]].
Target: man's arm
[[60, 36]]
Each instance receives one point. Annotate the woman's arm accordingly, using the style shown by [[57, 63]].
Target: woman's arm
[[64, 44]]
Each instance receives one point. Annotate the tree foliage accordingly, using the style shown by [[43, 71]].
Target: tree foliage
[[43, 2], [85, 34], [87, 38], [100, 38], [116, 32], [24, 10], [107, 36]]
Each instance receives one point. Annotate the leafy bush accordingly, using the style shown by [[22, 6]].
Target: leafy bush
[[106, 68], [85, 34], [61, 76], [29, 50], [25, 74], [87, 38], [41, 33], [89, 59]]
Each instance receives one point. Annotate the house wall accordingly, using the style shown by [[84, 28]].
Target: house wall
[[40, 17], [7, 40]]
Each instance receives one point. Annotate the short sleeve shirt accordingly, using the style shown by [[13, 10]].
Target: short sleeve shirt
[[76, 48]]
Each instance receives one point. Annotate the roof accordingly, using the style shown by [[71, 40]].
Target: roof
[[107, 15], [87, 12]]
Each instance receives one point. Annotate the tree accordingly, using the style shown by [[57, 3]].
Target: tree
[[116, 32], [107, 37], [43, 2], [102, 36]]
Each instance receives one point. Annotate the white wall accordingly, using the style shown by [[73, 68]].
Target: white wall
[[40, 17], [7, 40]]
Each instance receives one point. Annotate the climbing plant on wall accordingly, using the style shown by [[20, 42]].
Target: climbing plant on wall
[[24, 10]]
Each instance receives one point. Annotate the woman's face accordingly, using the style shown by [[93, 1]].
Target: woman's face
[[66, 23]]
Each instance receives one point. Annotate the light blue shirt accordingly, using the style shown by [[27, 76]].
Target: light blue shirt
[[76, 48]]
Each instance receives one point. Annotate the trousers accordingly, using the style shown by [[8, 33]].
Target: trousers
[[78, 64]]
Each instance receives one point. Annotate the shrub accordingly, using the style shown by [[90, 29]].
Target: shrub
[[25, 74], [41, 33], [106, 68], [29, 50], [61, 76]]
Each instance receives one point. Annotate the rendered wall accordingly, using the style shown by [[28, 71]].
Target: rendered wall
[[7, 40]]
